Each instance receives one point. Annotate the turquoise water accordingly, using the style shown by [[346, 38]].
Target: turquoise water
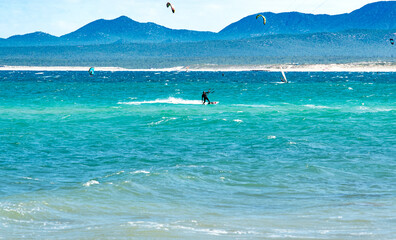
[[135, 155]]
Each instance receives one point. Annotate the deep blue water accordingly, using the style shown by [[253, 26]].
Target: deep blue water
[[124, 155]]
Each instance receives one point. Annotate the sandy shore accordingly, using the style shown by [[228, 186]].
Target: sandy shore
[[352, 67]]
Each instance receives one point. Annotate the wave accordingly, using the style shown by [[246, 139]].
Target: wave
[[193, 227], [252, 105], [170, 100], [140, 171], [374, 110], [317, 106], [279, 82], [91, 182], [164, 119]]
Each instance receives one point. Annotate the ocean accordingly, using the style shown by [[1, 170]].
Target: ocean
[[135, 155]]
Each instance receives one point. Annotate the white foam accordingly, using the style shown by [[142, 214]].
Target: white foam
[[316, 106], [170, 100], [113, 174], [29, 178], [140, 171], [91, 182], [164, 119], [367, 109], [278, 82], [156, 123], [271, 137], [252, 105], [362, 234], [175, 226], [238, 120]]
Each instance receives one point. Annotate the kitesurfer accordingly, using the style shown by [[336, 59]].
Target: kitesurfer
[[205, 97]]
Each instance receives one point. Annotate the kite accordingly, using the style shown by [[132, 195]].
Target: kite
[[168, 4], [259, 15], [91, 71]]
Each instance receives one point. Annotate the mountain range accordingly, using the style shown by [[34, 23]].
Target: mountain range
[[362, 35], [374, 16]]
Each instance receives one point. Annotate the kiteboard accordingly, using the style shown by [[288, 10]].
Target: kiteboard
[[212, 103]]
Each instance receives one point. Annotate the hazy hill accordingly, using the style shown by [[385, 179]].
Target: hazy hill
[[126, 29], [356, 45], [31, 39], [378, 16]]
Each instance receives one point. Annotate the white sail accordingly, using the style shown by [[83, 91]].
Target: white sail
[[284, 76]]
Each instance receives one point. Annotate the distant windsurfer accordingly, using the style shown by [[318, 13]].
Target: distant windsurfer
[[205, 97], [284, 79]]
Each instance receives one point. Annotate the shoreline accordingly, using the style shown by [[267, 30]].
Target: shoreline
[[350, 67]]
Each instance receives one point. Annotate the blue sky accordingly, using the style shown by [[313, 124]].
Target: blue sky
[[58, 17]]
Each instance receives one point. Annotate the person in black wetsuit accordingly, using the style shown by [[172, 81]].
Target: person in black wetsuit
[[205, 97]]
